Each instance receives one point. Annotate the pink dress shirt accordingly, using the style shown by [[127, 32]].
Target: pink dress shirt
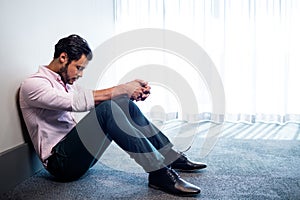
[[47, 105]]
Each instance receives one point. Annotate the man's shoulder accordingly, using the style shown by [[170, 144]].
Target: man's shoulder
[[36, 80], [42, 74]]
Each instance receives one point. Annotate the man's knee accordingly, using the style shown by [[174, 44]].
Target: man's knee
[[122, 100], [105, 105], [108, 109]]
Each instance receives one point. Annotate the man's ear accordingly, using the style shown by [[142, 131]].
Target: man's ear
[[63, 58]]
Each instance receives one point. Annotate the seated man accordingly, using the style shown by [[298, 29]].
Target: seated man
[[68, 149]]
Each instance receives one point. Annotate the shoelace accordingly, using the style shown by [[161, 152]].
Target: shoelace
[[173, 174]]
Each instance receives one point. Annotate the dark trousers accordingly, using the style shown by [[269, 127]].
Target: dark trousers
[[118, 120]]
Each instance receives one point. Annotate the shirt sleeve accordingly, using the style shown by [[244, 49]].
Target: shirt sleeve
[[40, 92], [83, 99]]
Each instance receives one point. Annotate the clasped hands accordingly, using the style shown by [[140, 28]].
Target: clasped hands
[[137, 89]]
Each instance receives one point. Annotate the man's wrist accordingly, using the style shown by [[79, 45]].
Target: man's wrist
[[121, 90]]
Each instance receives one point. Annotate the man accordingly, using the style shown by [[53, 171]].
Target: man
[[68, 149]]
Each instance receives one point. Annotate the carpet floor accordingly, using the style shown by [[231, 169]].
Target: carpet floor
[[245, 161]]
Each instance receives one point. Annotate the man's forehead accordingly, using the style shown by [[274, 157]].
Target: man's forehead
[[82, 62]]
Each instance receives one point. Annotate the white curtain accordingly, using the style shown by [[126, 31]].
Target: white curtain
[[254, 44]]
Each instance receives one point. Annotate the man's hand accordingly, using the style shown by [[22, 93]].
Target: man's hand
[[137, 90]]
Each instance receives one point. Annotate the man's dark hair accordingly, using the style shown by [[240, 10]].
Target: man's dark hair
[[74, 46]]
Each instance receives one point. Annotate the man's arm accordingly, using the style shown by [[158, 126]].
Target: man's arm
[[137, 90], [39, 92]]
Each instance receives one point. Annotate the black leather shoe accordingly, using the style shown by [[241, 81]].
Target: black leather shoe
[[184, 164], [169, 181]]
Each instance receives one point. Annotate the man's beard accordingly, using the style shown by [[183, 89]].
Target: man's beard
[[63, 72]]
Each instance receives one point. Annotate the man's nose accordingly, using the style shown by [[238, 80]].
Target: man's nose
[[80, 73]]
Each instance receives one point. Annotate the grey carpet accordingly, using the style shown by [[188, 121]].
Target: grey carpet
[[259, 161]]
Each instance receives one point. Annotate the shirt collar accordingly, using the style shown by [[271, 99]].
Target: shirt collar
[[49, 73], [44, 70]]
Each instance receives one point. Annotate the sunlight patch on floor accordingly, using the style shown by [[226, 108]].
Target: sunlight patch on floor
[[246, 131]]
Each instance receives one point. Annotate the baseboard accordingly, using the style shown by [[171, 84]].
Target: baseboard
[[16, 165]]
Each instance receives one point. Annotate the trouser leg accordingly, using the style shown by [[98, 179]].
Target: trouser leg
[[149, 130], [124, 123], [119, 120], [137, 119], [71, 158]]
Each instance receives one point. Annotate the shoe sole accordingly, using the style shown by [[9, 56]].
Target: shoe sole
[[188, 170], [167, 191]]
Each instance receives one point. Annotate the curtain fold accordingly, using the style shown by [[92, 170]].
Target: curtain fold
[[254, 45]]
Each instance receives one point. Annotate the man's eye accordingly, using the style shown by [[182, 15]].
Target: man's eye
[[79, 68]]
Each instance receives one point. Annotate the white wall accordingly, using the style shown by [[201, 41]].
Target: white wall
[[28, 32]]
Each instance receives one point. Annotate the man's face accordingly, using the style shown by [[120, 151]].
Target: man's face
[[70, 73]]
